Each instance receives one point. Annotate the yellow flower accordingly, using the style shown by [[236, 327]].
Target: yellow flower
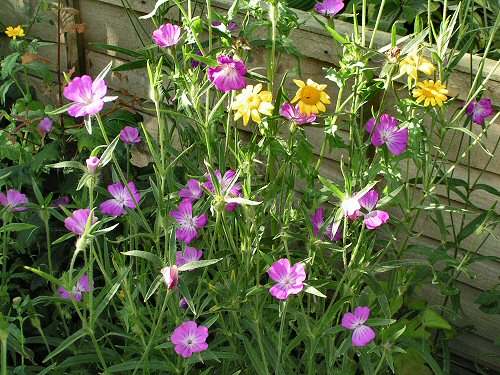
[[14, 32], [431, 92], [251, 102], [311, 97], [413, 63]]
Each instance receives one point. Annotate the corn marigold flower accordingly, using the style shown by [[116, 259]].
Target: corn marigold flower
[[294, 114], [311, 97], [362, 334], [289, 280], [225, 183], [92, 164], [14, 32], [45, 125], [229, 75], [193, 191], [385, 131], [413, 63], [191, 254], [189, 338], [82, 286], [167, 35], [431, 93], [14, 200], [130, 135], [77, 222], [479, 110], [188, 223], [121, 198], [329, 7], [170, 276], [251, 102]]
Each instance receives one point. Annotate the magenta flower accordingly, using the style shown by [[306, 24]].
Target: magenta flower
[[189, 338], [170, 276], [225, 183], [14, 201], [130, 135], [195, 63], [334, 228], [294, 114], [193, 191], [221, 27], [88, 96], [386, 132], [229, 75], [189, 224], [190, 255], [45, 125], [372, 219], [289, 280], [479, 110], [78, 221], [329, 7], [317, 220], [82, 286], [167, 35], [350, 205], [61, 201], [92, 164], [183, 303], [122, 198], [362, 334]]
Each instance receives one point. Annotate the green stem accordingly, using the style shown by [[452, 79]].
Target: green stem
[[4, 355], [280, 337]]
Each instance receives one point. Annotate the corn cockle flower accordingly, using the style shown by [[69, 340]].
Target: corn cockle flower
[[188, 223], [334, 232], [45, 125], [170, 276], [251, 102], [221, 27], [373, 218], [191, 254], [311, 97], [362, 334], [329, 7], [229, 75], [130, 135], [193, 190], [92, 164], [350, 205], [431, 93], [82, 286], [294, 114], [224, 183], [317, 220], [88, 96], [121, 198], [78, 221], [167, 35], [14, 32], [479, 110], [189, 338], [14, 200], [289, 280], [386, 131], [61, 201], [413, 63]]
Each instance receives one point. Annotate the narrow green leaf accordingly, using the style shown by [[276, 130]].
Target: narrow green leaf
[[66, 343], [312, 290], [158, 262], [199, 263], [16, 227], [45, 275]]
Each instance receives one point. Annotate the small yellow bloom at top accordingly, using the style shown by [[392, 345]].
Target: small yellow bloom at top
[[311, 97], [430, 92], [14, 32], [413, 63], [251, 102], [121, 294]]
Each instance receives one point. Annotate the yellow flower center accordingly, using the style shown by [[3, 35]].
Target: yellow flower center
[[310, 95], [253, 101]]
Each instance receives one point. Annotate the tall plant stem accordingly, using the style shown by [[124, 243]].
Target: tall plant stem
[[4, 353], [280, 337], [6, 222]]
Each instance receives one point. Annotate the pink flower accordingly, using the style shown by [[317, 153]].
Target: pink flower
[[223, 28], [334, 228], [92, 164], [225, 183], [193, 191], [130, 135], [373, 219], [170, 276], [122, 198], [78, 221], [190, 255], [317, 220], [350, 205], [188, 223], [386, 132], [14, 200], [329, 7], [362, 334], [183, 303], [289, 280], [82, 286], [479, 110], [189, 338], [61, 201], [88, 96], [294, 114], [167, 35], [45, 125], [229, 75]]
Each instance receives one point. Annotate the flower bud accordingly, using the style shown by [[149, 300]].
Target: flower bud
[[92, 164], [170, 276]]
